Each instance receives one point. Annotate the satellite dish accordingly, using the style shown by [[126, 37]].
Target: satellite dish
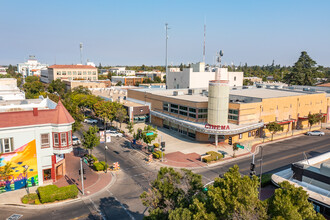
[[221, 53]]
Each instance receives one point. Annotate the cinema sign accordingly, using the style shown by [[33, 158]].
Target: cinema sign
[[217, 127]]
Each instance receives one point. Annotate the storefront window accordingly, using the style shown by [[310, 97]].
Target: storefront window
[[192, 109], [183, 108], [47, 174], [192, 115]]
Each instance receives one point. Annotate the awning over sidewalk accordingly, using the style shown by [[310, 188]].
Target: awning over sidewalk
[[286, 122]]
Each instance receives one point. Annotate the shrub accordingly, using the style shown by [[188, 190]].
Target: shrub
[[105, 165], [158, 154], [52, 193], [98, 166], [37, 201], [91, 157], [266, 179], [156, 145], [213, 156], [30, 198]]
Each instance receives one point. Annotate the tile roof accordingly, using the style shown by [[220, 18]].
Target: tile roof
[[59, 115], [72, 67]]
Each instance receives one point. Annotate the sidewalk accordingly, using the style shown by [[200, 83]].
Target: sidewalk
[[94, 183]]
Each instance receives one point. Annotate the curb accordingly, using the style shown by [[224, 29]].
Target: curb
[[51, 205]]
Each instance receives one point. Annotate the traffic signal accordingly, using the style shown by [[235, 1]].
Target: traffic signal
[[230, 141], [252, 167], [79, 172], [162, 144], [84, 171]]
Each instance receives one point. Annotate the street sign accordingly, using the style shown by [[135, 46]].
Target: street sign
[[102, 137], [85, 161], [108, 138], [240, 146], [150, 133]]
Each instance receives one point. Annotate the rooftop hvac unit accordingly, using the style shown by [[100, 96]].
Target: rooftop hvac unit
[[177, 93]]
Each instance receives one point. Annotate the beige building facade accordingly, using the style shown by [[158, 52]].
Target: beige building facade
[[69, 72], [99, 84]]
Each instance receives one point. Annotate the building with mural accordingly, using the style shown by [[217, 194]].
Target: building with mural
[[35, 135]]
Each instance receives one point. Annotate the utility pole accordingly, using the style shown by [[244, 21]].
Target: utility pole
[[82, 176], [166, 60], [261, 148], [204, 42], [81, 47]]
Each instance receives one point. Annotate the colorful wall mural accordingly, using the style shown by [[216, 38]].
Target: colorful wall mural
[[23, 165]]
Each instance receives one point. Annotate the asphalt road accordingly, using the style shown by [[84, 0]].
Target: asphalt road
[[121, 200], [276, 156]]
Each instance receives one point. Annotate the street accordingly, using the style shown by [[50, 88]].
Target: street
[[121, 200]]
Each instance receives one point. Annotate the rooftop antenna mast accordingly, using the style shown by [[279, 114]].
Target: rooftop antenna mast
[[218, 64], [204, 41], [166, 60], [219, 55], [81, 47]]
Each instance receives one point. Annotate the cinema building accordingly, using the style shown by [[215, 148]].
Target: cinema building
[[221, 113]]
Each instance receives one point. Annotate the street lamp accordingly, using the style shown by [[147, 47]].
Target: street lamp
[[26, 167], [105, 158]]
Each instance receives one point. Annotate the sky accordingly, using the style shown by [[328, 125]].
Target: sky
[[132, 32]]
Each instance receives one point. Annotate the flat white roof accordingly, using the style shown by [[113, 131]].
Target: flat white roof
[[315, 193]]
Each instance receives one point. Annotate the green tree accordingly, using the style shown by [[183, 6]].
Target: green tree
[[274, 127], [180, 195], [81, 90], [104, 110], [91, 139], [314, 119], [119, 83], [304, 71], [121, 114], [57, 86], [290, 202], [130, 127], [6, 171], [247, 82], [30, 79], [149, 138], [171, 189], [32, 87]]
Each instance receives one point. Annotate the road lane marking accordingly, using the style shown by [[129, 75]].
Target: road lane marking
[[129, 214]]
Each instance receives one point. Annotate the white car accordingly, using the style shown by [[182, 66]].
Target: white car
[[315, 133], [90, 121], [75, 140], [115, 134]]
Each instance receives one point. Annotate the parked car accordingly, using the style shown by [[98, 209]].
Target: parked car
[[90, 121], [315, 133], [115, 133], [75, 140]]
